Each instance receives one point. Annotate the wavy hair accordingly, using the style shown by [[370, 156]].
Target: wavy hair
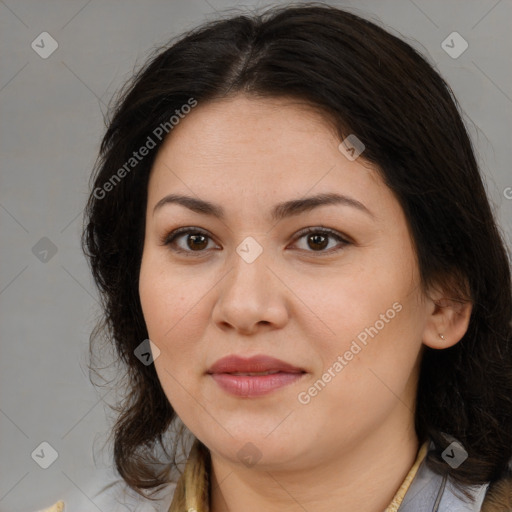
[[366, 82]]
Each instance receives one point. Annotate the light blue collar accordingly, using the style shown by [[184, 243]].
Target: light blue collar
[[430, 492]]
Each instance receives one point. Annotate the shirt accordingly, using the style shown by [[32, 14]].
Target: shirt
[[422, 490]]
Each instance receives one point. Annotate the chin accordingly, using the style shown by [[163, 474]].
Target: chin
[[255, 450]]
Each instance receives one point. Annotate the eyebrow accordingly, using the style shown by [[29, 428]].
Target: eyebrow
[[279, 211]]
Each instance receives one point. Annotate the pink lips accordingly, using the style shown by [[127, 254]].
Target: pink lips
[[253, 385]]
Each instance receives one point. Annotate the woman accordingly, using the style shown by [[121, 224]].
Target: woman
[[288, 206]]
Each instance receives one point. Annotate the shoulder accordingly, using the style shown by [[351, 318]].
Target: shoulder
[[499, 495]]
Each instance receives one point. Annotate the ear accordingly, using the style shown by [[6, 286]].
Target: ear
[[448, 319]]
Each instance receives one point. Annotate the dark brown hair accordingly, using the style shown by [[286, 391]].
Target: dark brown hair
[[373, 85]]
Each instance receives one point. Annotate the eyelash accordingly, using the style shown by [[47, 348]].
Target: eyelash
[[169, 239]]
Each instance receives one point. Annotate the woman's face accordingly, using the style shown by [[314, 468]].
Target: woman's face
[[347, 313]]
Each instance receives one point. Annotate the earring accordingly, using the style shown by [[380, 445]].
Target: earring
[[442, 337]]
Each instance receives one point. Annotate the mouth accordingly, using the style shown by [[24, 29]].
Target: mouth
[[254, 376]]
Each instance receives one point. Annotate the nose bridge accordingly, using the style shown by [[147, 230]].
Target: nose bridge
[[249, 294], [248, 281]]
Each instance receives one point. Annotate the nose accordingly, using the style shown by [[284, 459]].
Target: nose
[[250, 298]]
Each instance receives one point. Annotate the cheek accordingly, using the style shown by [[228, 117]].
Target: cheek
[[369, 360], [171, 312], [166, 294], [369, 312], [169, 304]]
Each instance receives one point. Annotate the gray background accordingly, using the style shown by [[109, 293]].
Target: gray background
[[51, 123]]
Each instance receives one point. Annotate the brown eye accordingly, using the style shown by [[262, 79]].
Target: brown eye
[[318, 240], [187, 241], [197, 242]]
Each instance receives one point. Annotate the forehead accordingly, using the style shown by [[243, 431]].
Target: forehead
[[260, 150]]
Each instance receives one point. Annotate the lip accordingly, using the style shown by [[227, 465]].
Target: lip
[[253, 385], [259, 363]]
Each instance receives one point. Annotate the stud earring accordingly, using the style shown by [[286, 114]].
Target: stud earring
[[442, 337]]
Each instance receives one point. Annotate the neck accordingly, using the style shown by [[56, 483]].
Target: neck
[[363, 477]]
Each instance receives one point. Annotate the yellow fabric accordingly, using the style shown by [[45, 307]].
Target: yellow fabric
[[399, 496], [58, 507]]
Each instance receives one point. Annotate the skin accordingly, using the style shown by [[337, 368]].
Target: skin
[[352, 445]]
